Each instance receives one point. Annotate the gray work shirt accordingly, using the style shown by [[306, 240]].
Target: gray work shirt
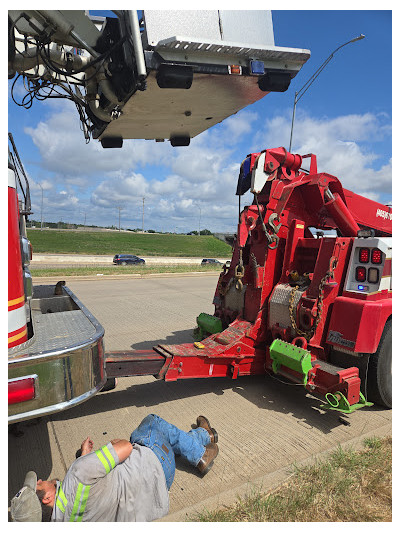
[[98, 488]]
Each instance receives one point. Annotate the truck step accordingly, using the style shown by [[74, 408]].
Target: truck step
[[327, 367]]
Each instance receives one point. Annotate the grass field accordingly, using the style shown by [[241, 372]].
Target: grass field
[[349, 486], [119, 270], [110, 243]]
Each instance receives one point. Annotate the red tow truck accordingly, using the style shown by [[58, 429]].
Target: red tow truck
[[314, 308]]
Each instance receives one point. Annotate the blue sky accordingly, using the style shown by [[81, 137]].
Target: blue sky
[[344, 118]]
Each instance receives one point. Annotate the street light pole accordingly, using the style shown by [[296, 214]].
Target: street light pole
[[199, 220], [41, 210], [119, 217], [143, 216], [299, 94]]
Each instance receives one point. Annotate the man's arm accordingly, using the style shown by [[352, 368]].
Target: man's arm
[[123, 448], [92, 466], [86, 446]]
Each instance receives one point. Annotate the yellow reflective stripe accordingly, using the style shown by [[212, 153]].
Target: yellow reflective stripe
[[16, 337], [60, 505], [84, 501], [16, 301], [76, 502], [62, 496], [107, 453], [103, 460], [61, 501]]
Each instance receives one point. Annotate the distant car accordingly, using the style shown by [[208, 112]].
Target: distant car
[[126, 259], [211, 262]]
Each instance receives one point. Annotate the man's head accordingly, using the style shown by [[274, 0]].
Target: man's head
[[35, 501], [46, 492]]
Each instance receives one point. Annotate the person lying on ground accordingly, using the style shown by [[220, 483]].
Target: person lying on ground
[[124, 481]]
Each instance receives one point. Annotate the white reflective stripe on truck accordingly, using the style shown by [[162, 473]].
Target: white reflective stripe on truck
[[16, 318], [385, 284], [11, 179]]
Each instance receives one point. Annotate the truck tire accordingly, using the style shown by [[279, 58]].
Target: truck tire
[[379, 379], [110, 384]]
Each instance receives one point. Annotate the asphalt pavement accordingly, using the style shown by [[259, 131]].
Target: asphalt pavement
[[265, 425], [66, 260]]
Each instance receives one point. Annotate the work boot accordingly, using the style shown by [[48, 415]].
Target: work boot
[[202, 422], [206, 462]]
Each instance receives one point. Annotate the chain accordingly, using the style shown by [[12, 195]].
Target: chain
[[237, 278], [324, 280]]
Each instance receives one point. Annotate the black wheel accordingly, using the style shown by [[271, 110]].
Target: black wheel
[[123, 263], [379, 379], [111, 383]]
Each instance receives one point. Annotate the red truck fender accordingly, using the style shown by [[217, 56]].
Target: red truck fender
[[357, 325]]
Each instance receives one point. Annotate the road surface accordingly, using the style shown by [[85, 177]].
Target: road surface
[[65, 260], [264, 425]]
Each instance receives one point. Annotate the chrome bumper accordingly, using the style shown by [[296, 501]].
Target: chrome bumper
[[66, 354]]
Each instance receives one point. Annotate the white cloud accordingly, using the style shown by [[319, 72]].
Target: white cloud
[[179, 182], [119, 190], [241, 124], [64, 152], [344, 147]]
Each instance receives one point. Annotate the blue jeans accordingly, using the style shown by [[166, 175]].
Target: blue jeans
[[166, 440]]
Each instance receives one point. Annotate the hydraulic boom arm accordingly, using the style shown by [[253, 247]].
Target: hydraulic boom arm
[[169, 76]]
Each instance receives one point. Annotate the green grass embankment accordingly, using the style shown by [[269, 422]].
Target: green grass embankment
[[121, 270], [110, 243], [349, 486]]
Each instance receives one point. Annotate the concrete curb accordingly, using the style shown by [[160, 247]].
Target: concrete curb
[[268, 482]]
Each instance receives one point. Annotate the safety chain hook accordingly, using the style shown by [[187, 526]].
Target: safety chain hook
[[308, 334]]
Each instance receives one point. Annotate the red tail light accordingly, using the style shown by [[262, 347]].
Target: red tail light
[[376, 256], [361, 274], [364, 255], [21, 390]]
